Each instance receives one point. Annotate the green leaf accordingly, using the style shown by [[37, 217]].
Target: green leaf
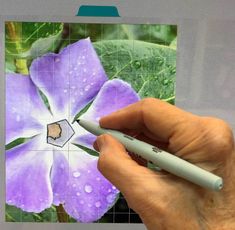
[[14, 214], [28, 39], [148, 67], [174, 43], [87, 150]]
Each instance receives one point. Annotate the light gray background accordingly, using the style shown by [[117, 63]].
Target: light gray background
[[205, 81]]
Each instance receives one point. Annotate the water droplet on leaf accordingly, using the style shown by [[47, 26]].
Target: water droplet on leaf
[[110, 67], [137, 64], [165, 82]]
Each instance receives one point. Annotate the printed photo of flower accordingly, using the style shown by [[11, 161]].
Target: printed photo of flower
[[56, 73]]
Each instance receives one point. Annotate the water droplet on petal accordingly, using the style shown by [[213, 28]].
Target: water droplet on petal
[[9, 201], [65, 90], [110, 198], [81, 202], [87, 88], [88, 188], [98, 178], [83, 57], [84, 80], [113, 187], [76, 174], [70, 72], [78, 193], [57, 59], [74, 185], [97, 204], [18, 118], [109, 190]]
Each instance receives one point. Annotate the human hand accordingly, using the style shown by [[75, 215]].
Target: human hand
[[163, 200]]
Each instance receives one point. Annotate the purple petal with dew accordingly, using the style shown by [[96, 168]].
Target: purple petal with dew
[[59, 176], [77, 183], [25, 110], [70, 79], [114, 95], [28, 183]]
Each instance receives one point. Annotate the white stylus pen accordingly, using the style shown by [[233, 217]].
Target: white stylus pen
[[160, 158]]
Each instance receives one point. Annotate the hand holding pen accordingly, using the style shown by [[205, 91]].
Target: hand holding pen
[[163, 200]]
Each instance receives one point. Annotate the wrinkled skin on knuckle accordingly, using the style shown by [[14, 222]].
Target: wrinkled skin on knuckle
[[220, 136], [103, 162]]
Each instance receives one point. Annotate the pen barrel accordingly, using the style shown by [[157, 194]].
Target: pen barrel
[[170, 162], [160, 158]]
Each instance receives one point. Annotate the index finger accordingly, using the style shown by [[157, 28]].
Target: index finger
[[158, 117]]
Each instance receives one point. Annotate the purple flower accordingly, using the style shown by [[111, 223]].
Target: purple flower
[[39, 174]]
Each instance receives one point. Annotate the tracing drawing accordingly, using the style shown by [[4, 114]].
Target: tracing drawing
[[55, 73]]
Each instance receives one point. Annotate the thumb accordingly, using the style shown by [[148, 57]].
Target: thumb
[[116, 165]]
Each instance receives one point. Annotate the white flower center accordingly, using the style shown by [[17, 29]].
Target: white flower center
[[59, 133]]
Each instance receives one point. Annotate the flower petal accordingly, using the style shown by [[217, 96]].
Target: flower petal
[[70, 79], [28, 176], [114, 95], [25, 110], [85, 194]]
